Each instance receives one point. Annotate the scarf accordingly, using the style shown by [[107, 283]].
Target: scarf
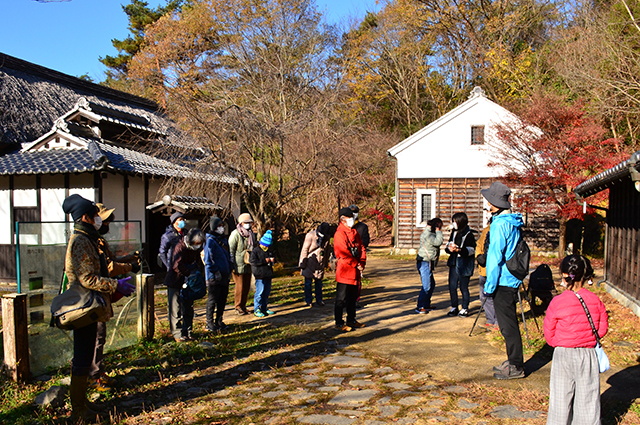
[[80, 227], [247, 234]]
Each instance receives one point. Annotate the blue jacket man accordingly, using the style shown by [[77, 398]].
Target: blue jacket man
[[501, 284], [217, 269]]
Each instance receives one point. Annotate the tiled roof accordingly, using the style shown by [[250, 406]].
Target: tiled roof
[[609, 177], [184, 204], [53, 161], [98, 155]]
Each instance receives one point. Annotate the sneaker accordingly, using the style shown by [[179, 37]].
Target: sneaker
[[241, 312], [258, 313], [453, 312], [309, 304], [221, 325], [182, 339], [358, 305], [431, 308], [269, 312], [511, 372], [343, 328], [421, 310], [356, 324], [502, 367], [319, 304], [213, 329], [464, 313]]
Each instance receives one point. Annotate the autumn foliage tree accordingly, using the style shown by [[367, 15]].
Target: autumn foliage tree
[[554, 146], [254, 83]]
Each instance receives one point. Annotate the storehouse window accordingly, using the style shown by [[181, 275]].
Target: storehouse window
[[425, 206], [477, 134]]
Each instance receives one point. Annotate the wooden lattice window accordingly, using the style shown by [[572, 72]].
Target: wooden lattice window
[[477, 134]]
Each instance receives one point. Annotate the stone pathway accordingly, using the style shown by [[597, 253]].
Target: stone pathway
[[342, 388]]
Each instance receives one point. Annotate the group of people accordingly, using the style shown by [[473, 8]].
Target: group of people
[[573, 323], [219, 259]]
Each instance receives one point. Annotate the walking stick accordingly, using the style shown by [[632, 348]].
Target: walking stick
[[523, 319], [478, 316], [531, 305]]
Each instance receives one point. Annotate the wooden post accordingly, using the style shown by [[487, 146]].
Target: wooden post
[[146, 306], [15, 336]]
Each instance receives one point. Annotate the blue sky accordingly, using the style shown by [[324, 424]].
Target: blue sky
[[70, 36]]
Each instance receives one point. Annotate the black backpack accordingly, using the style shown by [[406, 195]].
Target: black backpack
[[541, 279], [518, 265]]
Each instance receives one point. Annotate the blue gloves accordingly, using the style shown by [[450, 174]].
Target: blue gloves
[[124, 287]]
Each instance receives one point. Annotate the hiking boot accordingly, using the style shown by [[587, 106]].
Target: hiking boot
[[421, 310], [356, 324], [453, 312], [502, 367], [343, 328], [511, 372], [241, 312], [464, 313]]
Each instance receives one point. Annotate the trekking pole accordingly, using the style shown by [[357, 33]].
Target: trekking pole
[[478, 316], [531, 302], [523, 319]]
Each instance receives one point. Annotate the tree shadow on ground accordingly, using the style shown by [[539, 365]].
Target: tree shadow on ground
[[618, 398]]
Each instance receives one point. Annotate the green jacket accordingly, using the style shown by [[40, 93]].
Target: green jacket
[[237, 248], [430, 244]]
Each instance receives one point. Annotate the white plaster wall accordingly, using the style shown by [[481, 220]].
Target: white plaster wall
[[25, 198], [137, 203], [51, 204], [446, 151], [113, 194], [154, 191], [5, 216]]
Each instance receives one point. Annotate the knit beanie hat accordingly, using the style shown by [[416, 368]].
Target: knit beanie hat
[[266, 239], [78, 206], [354, 208], [176, 215], [323, 228], [214, 222]]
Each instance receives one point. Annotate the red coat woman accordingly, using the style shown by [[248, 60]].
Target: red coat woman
[[352, 258]]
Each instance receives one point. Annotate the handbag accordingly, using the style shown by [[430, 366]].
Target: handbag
[[194, 287], [603, 360], [78, 307]]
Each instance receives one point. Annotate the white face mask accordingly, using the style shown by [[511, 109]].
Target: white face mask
[[247, 226], [454, 226], [220, 230], [350, 222], [97, 222]]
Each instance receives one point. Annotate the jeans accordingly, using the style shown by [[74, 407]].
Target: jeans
[[456, 280], [489, 308], [505, 303], [84, 348], [261, 297], [346, 296], [428, 284], [216, 301], [308, 296]]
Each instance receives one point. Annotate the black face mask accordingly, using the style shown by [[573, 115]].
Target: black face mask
[[104, 229]]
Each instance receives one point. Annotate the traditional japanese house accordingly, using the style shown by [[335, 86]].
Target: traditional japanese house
[[61, 135], [622, 237]]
